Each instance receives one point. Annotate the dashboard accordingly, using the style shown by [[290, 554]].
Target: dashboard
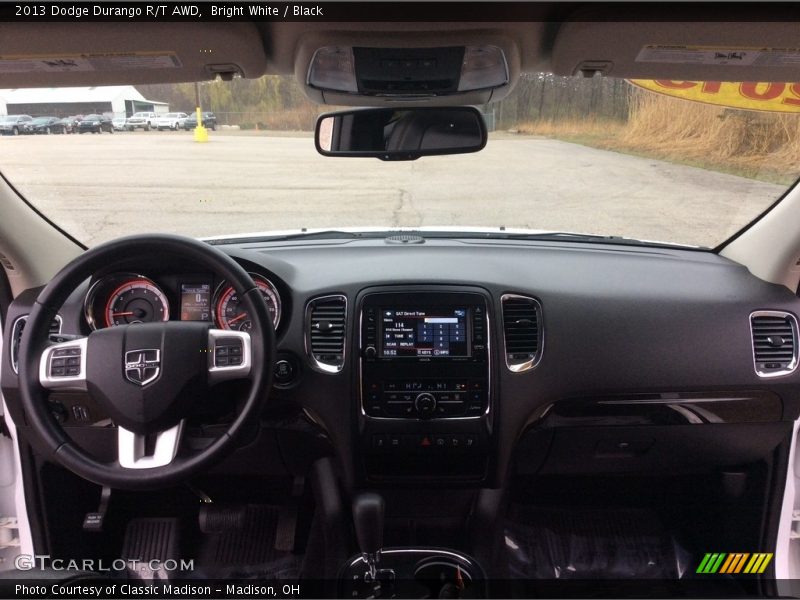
[[458, 360]]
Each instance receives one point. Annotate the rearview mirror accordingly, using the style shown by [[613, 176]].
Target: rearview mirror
[[400, 134]]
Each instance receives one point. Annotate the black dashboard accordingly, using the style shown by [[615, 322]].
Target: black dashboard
[[456, 360]]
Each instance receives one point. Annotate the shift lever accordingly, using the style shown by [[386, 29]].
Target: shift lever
[[368, 510]]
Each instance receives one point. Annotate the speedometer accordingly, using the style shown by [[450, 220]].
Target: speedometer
[[229, 311]]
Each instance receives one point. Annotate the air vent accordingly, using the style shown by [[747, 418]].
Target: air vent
[[325, 340], [405, 238], [16, 337], [522, 331], [775, 342]]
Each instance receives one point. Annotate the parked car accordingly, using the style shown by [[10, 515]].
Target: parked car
[[173, 120], [95, 124], [141, 120], [71, 123], [119, 123], [13, 124], [44, 125], [209, 121]]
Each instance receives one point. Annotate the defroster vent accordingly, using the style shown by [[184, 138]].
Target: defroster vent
[[522, 331], [774, 342], [326, 320]]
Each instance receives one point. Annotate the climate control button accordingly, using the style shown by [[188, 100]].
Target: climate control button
[[425, 404]]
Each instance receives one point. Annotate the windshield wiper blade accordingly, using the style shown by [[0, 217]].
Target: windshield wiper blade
[[301, 235], [585, 237], [317, 235], [546, 235]]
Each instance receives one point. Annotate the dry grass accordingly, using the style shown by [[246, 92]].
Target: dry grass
[[761, 145], [301, 118], [573, 128]]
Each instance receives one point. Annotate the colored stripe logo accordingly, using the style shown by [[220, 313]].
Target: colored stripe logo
[[734, 563]]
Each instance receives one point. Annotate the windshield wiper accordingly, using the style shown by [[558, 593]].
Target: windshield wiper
[[301, 235], [548, 235]]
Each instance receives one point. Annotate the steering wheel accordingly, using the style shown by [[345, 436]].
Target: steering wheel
[[146, 376]]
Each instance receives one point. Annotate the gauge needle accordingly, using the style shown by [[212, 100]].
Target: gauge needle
[[122, 314], [234, 319]]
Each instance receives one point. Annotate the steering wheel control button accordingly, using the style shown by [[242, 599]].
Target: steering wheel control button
[[425, 404], [228, 352], [65, 362], [231, 357]]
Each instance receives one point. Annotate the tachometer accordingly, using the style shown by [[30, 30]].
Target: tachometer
[[229, 312], [122, 298], [137, 300]]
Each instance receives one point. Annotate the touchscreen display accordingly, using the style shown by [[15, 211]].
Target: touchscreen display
[[422, 332], [195, 302]]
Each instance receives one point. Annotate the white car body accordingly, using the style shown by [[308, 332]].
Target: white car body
[[143, 120], [172, 121]]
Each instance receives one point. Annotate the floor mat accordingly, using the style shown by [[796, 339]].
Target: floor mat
[[587, 544], [249, 550]]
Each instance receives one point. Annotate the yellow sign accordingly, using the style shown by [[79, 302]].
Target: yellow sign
[[746, 95]]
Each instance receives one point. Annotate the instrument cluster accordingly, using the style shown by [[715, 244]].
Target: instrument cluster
[[125, 298]]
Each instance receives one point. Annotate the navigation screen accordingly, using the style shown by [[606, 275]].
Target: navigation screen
[[196, 302], [424, 332]]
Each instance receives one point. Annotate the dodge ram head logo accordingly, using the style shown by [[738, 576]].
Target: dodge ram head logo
[[142, 366]]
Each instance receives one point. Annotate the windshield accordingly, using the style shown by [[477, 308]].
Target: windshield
[[596, 155]]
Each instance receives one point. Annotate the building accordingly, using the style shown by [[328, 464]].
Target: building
[[121, 100]]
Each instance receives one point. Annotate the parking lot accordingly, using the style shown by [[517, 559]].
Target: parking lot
[[99, 187]]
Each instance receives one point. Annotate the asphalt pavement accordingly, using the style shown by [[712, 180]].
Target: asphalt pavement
[[99, 187]]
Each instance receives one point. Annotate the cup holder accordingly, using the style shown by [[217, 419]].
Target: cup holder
[[445, 578]]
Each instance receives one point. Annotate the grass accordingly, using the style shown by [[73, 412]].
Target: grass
[[762, 146]]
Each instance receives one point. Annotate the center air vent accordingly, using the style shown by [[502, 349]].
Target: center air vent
[[405, 238], [774, 342], [16, 337], [522, 331], [326, 318]]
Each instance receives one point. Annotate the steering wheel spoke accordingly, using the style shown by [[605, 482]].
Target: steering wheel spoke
[[134, 452], [230, 355], [62, 366]]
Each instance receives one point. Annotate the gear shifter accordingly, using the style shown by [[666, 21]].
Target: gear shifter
[[368, 511]]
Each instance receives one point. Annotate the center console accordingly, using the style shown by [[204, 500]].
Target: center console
[[425, 384]]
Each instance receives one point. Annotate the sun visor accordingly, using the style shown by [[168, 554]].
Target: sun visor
[[679, 51], [54, 54]]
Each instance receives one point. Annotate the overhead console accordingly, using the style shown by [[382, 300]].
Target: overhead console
[[425, 382], [374, 68]]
